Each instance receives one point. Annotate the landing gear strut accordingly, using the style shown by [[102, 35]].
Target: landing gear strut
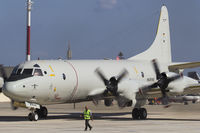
[[139, 113]]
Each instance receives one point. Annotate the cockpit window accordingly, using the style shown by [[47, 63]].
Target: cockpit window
[[27, 72], [19, 74], [19, 71], [38, 72], [14, 71]]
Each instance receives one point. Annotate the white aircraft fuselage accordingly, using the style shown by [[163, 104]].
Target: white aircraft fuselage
[[65, 81]]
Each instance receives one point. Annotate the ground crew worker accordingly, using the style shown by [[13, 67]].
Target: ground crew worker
[[87, 115]]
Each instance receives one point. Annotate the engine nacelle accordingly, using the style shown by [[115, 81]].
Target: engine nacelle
[[108, 102]]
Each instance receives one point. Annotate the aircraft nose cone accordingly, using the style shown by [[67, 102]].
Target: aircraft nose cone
[[8, 89]]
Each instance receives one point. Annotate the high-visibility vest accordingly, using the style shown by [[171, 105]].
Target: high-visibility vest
[[87, 114]]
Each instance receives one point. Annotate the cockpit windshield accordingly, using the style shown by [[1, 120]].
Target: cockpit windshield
[[27, 72], [19, 73]]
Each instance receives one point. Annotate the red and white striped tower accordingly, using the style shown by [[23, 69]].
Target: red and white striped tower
[[29, 4]]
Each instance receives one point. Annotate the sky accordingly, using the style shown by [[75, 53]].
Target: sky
[[97, 29]]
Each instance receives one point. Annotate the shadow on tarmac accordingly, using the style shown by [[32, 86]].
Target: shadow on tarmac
[[97, 116], [13, 118]]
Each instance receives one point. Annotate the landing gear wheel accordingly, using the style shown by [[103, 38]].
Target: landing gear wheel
[[33, 116], [30, 117], [135, 114], [42, 112], [143, 113]]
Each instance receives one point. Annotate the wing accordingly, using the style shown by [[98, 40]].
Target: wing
[[155, 92], [193, 89]]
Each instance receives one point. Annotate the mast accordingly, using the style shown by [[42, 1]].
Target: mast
[[29, 4]]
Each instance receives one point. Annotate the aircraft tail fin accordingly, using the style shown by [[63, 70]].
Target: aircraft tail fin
[[161, 47]]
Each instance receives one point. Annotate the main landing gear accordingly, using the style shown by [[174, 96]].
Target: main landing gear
[[139, 113], [38, 113]]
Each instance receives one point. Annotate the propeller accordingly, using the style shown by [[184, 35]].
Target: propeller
[[112, 83], [162, 82], [3, 76]]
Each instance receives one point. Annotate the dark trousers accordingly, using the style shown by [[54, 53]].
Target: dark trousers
[[87, 124]]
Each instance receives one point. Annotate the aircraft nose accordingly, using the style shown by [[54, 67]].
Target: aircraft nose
[[10, 90]]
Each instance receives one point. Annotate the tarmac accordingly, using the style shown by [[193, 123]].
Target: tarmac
[[62, 118]]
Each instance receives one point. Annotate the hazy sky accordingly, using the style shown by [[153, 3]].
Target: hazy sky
[[96, 28]]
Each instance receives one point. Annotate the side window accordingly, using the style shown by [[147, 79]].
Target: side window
[[142, 74], [45, 72], [38, 72], [64, 76]]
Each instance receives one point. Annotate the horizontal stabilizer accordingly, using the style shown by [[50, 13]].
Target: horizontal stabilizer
[[183, 65]]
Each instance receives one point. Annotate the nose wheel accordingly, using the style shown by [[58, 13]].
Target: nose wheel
[[38, 113], [42, 112], [33, 116], [139, 113]]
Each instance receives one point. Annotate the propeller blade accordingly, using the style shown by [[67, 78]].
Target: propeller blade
[[2, 72], [101, 76], [165, 101], [156, 69], [147, 88], [2, 76], [122, 75], [170, 79]]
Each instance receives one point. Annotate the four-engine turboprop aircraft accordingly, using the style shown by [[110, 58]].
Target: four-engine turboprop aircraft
[[130, 82]]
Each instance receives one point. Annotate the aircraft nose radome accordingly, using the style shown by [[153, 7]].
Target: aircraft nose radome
[[9, 89]]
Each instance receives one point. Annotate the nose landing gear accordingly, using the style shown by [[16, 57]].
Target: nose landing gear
[[139, 113], [37, 111]]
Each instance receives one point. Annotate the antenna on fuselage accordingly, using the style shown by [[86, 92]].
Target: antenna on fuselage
[[29, 4], [69, 52]]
